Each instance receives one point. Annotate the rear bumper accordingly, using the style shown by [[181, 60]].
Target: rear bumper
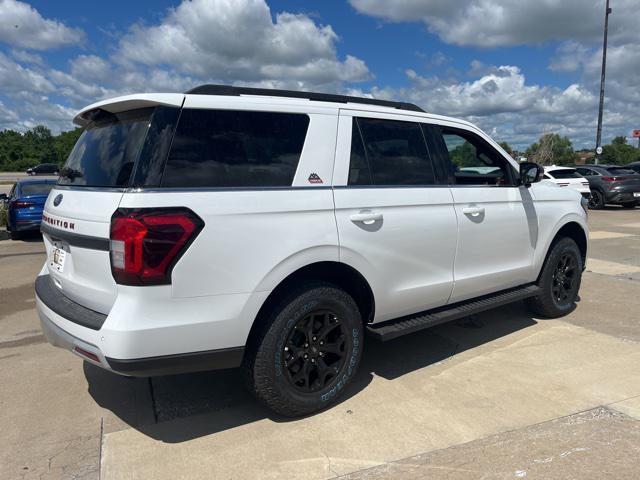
[[57, 311], [622, 197]]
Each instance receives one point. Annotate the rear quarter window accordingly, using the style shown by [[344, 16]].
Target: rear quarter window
[[229, 148]]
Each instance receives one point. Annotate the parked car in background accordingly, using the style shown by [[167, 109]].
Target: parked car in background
[[44, 169], [611, 184], [635, 166], [568, 177], [25, 204]]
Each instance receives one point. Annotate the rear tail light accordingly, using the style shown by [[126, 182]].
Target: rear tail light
[[145, 244], [23, 204], [607, 179]]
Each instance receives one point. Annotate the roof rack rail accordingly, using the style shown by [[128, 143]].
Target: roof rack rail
[[318, 97]]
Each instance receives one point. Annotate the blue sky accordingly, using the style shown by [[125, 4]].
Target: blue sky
[[518, 69]]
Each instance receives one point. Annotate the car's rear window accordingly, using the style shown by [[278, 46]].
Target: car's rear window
[[106, 152], [36, 188], [621, 171], [229, 148], [565, 173]]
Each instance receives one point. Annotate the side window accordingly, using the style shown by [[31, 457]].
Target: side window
[[585, 172], [227, 148], [546, 175], [472, 161], [393, 153]]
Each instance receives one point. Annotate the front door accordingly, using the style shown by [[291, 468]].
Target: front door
[[497, 225]]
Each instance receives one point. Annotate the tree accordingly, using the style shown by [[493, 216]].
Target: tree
[[619, 152], [552, 149], [19, 151]]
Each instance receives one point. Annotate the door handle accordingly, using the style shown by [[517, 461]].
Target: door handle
[[366, 217], [473, 211]]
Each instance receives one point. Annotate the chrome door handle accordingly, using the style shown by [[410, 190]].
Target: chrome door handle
[[473, 211], [366, 217]]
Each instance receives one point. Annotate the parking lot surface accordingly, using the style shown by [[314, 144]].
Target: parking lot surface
[[500, 395]]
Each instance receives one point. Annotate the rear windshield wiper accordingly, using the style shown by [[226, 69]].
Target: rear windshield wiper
[[70, 173]]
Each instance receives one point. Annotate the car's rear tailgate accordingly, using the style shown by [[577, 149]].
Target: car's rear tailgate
[[77, 222]]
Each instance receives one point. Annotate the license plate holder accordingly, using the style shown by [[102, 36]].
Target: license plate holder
[[58, 257]]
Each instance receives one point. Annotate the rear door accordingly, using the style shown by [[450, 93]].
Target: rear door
[[77, 214], [497, 226], [396, 224]]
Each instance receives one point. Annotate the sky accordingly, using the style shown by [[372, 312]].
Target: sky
[[515, 68]]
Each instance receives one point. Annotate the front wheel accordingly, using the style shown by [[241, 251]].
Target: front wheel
[[559, 280], [307, 350]]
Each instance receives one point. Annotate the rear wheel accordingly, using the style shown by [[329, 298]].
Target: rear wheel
[[629, 205], [307, 351], [15, 235], [559, 280], [596, 200]]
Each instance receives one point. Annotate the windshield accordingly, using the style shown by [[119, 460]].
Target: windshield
[[107, 150], [36, 188], [565, 173]]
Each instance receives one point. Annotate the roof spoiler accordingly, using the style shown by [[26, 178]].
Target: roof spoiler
[[124, 103]]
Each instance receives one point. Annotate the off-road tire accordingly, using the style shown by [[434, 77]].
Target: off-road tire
[[546, 303], [265, 371]]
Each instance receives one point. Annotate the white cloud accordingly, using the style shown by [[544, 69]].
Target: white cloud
[[22, 26], [238, 41], [491, 23], [504, 104], [14, 78]]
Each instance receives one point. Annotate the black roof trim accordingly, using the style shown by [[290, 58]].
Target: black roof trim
[[229, 90]]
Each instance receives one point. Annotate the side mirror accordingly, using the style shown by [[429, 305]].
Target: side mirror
[[530, 172]]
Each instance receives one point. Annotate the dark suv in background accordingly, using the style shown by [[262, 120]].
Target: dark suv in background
[[611, 184]]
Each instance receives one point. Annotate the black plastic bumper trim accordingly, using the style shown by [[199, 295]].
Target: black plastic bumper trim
[[54, 299], [179, 363], [76, 239]]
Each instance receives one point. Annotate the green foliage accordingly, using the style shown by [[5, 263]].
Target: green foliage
[[619, 152], [19, 151], [552, 149], [464, 155], [3, 214]]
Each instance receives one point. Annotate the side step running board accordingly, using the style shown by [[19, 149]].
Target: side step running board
[[412, 323]]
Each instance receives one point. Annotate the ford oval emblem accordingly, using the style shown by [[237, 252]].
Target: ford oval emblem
[[57, 200]]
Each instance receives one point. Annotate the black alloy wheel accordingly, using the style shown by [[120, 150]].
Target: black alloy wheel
[[596, 200], [314, 351], [564, 284]]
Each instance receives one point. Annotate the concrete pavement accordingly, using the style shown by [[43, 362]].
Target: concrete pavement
[[495, 397]]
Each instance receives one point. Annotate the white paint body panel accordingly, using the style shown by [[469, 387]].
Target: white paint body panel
[[423, 250]]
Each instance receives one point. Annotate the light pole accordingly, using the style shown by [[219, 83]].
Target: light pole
[[607, 12]]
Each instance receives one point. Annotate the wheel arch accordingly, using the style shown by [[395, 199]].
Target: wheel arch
[[337, 273], [570, 229]]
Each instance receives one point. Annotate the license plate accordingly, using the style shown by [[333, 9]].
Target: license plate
[[58, 256], [636, 194]]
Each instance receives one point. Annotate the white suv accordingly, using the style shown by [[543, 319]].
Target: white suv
[[269, 229]]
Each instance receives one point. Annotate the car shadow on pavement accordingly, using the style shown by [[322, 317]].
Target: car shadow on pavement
[[179, 408]]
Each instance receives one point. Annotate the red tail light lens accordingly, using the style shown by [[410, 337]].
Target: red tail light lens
[[608, 179], [22, 204], [147, 243]]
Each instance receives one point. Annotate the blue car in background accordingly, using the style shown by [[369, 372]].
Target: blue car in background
[[25, 204]]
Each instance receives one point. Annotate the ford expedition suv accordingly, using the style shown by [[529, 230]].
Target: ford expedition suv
[[270, 230]]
